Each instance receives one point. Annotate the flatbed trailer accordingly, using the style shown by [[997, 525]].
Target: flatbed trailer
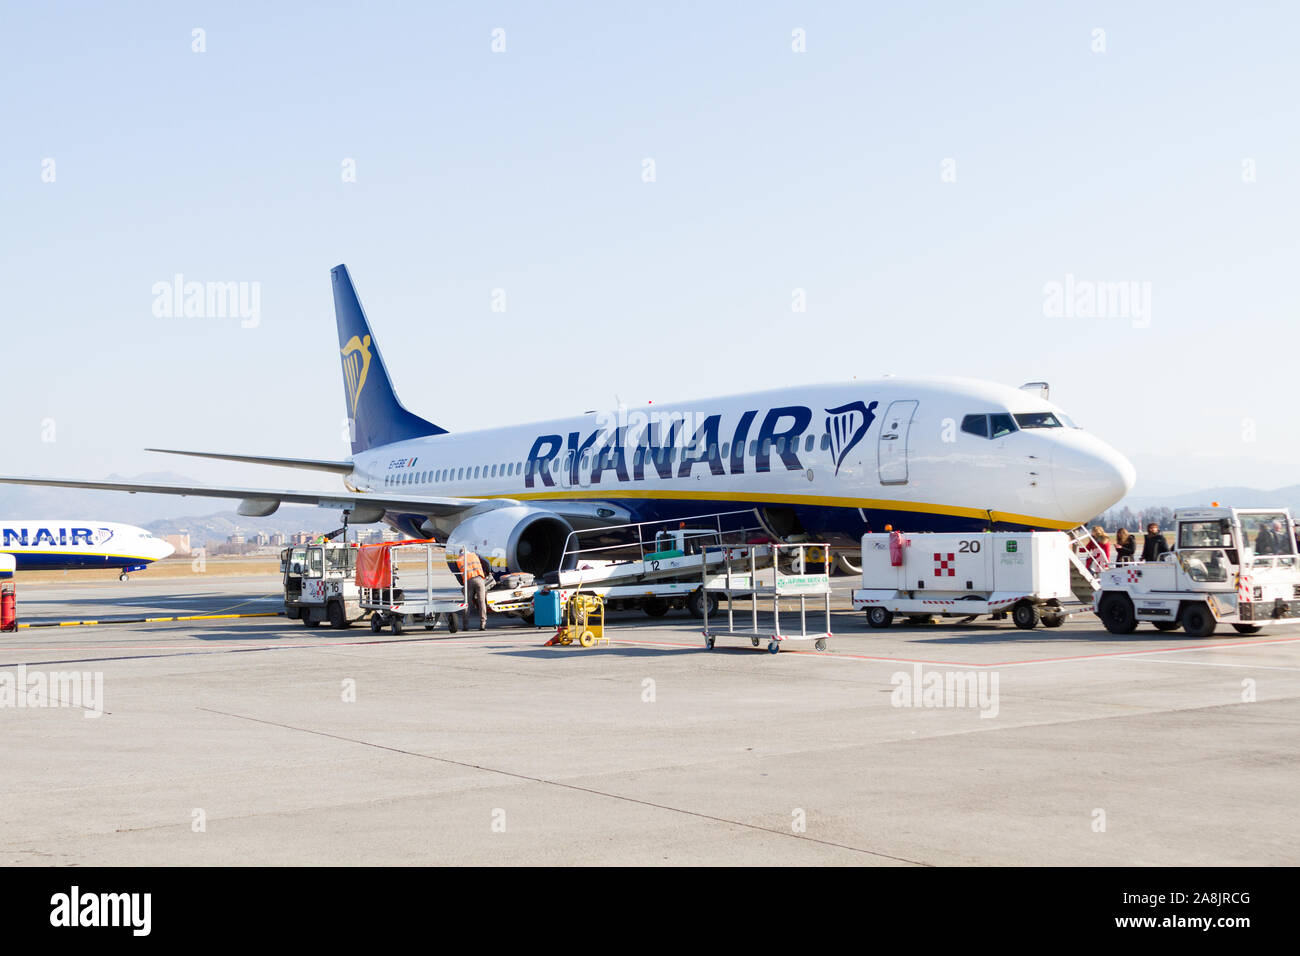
[[395, 582]]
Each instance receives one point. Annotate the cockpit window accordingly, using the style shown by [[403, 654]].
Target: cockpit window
[[976, 425], [1001, 425], [1037, 420]]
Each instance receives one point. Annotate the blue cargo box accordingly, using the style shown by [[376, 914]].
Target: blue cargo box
[[546, 609]]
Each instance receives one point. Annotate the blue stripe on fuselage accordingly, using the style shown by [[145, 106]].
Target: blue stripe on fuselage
[[38, 561]]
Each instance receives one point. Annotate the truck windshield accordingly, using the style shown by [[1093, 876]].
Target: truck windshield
[[314, 569], [1204, 534], [341, 559], [1267, 533]]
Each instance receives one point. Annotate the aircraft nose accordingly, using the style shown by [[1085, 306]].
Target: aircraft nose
[[164, 549], [1090, 477]]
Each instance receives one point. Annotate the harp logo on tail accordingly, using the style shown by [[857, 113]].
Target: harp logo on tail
[[356, 364], [846, 426]]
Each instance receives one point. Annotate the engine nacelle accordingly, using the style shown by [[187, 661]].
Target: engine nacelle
[[521, 537]]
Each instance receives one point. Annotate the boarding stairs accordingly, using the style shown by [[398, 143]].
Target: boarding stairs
[[1087, 561]]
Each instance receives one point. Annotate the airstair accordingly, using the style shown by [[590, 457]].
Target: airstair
[[1087, 561]]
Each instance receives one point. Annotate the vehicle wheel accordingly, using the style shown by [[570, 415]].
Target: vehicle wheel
[[396, 627], [1247, 628], [453, 623], [708, 642], [587, 639], [1053, 620], [1197, 620], [695, 603], [291, 613], [123, 576], [338, 620], [1116, 612], [755, 641], [1025, 616], [655, 606], [376, 624], [1165, 625], [820, 644], [879, 617], [773, 647], [308, 622]]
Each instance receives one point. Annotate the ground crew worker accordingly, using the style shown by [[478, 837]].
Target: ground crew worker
[[1155, 543], [475, 578]]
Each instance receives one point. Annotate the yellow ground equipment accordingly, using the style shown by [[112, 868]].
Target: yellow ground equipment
[[584, 621]]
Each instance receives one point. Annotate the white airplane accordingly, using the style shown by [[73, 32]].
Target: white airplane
[[830, 462], [75, 545]]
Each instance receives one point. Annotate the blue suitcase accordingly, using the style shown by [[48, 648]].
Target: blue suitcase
[[546, 609]]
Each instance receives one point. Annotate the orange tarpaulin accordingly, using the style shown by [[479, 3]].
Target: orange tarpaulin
[[374, 567], [375, 563]]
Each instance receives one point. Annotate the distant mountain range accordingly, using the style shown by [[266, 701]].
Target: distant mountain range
[[161, 514], [1228, 496]]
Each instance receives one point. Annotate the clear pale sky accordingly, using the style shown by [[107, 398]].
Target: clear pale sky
[[522, 171]]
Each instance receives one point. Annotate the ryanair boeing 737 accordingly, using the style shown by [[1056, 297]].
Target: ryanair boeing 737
[[80, 545], [832, 461]]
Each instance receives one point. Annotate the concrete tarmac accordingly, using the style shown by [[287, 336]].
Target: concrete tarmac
[[258, 741]]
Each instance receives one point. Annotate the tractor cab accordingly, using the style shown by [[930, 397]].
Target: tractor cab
[[319, 583]]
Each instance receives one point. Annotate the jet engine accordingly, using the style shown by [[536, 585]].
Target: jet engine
[[528, 539]]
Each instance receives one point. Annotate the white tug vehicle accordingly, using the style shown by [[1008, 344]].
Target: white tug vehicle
[[1233, 566]]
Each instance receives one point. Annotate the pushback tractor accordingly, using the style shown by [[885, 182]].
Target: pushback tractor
[[1233, 566]]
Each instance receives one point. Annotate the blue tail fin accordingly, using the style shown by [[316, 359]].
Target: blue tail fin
[[376, 414]]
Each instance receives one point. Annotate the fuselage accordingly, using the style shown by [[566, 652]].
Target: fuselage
[[828, 461], [64, 545]]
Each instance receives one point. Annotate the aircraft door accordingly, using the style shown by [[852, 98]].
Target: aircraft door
[[892, 444]]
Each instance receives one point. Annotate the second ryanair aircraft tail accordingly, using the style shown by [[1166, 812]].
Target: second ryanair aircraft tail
[[377, 415]]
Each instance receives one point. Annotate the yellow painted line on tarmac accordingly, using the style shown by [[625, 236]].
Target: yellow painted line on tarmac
[[153, 620]]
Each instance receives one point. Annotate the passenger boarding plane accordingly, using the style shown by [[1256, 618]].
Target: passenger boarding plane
[[830, 462], [76, 545]]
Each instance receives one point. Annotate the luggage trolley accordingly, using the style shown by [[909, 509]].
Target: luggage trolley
[[405, 597], [799, 571]]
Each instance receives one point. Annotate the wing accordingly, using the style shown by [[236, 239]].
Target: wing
[[259, 502], [315, 464]]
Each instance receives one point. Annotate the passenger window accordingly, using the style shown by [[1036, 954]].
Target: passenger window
[[826, 441], [725, 450], [809, 442], [976, 425], [753, 449]]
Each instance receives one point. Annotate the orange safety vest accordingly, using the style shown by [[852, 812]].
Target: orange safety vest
[[475, 566]]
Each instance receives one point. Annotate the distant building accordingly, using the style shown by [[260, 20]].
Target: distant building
[[277, 539], [180, 541], [236, 538], [303, 537]]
